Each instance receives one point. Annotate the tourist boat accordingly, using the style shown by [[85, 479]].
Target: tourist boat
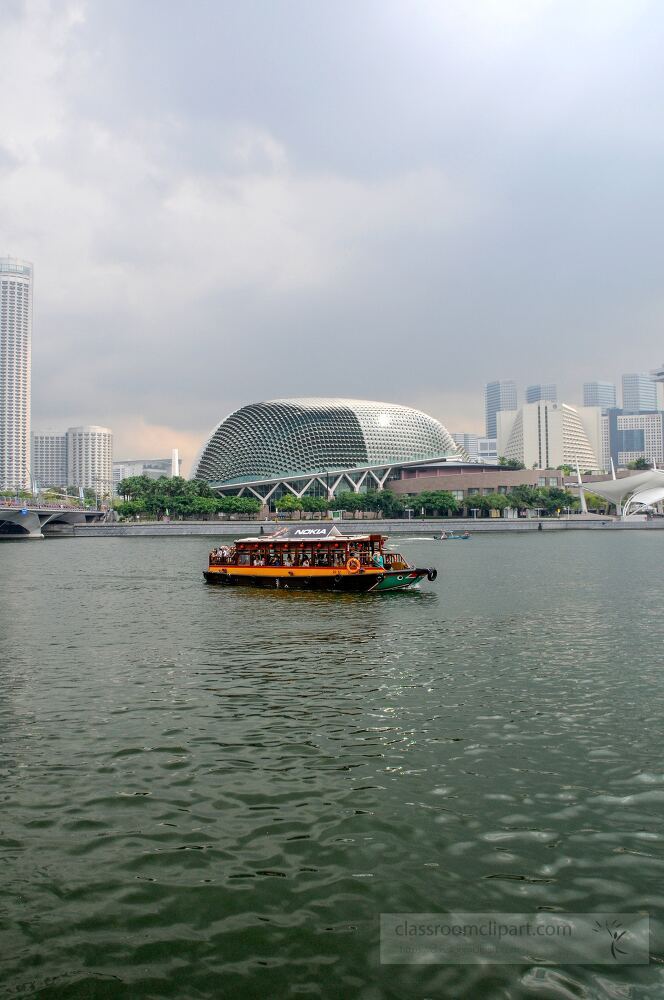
[[449, 536], [314, 557]]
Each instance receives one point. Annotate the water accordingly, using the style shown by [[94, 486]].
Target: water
[[215, 793]]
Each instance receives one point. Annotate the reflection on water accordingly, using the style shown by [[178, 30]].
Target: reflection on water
[[211, 792]]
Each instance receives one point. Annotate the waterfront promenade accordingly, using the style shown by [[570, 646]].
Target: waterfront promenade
[[414, 526]]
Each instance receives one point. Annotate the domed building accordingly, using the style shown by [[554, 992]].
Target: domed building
[[318, 446]]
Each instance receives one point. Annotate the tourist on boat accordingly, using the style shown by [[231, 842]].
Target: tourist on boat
[[377, 560], [305, 561]]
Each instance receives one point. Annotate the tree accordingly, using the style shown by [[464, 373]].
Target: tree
[[315, 504], [496, 501], [639, 463], [347, 500], [596, 503], [289, 503], [524, 497], [510, 463], [434, 501]]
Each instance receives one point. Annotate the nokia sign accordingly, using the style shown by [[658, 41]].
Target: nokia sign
[[300, 532]]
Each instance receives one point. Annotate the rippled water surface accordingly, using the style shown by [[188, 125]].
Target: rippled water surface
[[215, 793]]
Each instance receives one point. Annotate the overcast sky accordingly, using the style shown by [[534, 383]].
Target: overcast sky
[[228, 202]]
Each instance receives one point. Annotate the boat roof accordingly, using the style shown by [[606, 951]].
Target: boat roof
[[309, 533]]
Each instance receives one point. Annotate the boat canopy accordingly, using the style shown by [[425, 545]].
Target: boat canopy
[[309, 533]]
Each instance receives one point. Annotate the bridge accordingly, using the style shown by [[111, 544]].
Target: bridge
[[27, 518]]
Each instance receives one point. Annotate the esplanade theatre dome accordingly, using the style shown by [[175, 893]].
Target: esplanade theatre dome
[[288, 438]]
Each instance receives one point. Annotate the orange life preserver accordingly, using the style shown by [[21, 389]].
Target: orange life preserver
[[353, 565]]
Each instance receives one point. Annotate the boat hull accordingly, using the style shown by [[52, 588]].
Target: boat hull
[[343, 582]]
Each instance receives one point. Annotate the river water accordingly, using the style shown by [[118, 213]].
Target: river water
[[215, 793]]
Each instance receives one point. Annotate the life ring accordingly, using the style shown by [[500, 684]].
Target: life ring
[[353, 565]]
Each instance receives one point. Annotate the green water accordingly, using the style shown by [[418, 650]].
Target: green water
[[208, 792]]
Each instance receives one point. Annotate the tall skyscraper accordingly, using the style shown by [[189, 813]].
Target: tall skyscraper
[[536, 393], [498, 396], [15, 371], [90, 458], [602, 394], [639, 393], [49, 458]]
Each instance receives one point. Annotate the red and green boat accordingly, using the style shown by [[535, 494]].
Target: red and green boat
[[314, 557]]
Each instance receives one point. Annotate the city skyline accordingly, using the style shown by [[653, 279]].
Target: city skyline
[[184, 226]]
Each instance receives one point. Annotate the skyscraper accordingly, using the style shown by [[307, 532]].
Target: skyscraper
[[602, 394], [639, 393], [498, 396], [90, 458], [15, 369], [49, 458], [536, 393]]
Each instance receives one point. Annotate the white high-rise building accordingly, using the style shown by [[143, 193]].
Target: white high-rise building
[[498, 396], [49, 458], [15, 372], [90, 458], [545, 435]]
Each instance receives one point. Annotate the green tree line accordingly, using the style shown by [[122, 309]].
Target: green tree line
[[190, 498]]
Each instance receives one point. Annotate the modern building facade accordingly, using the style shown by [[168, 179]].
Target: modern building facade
[[15, 372], [498, 396], [535, 393], [90, 458], [639, 392], [602, 394], [467, 442], [49, 458], [466, 481], [545, 435], [487, 451], [318, 447], [629, 436]]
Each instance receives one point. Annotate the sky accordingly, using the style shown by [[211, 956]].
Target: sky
[[228, 202]]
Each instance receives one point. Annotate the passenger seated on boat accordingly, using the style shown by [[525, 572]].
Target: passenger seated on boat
[[259, 561], [305, 562], [377, 560], [287, 560]]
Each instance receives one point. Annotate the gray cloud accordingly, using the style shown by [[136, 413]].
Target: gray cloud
[[231, 201]]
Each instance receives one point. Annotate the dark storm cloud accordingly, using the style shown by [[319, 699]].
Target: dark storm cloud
[[421, 196]]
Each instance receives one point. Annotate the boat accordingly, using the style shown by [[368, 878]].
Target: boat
[[449, 536], [314, 557]]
